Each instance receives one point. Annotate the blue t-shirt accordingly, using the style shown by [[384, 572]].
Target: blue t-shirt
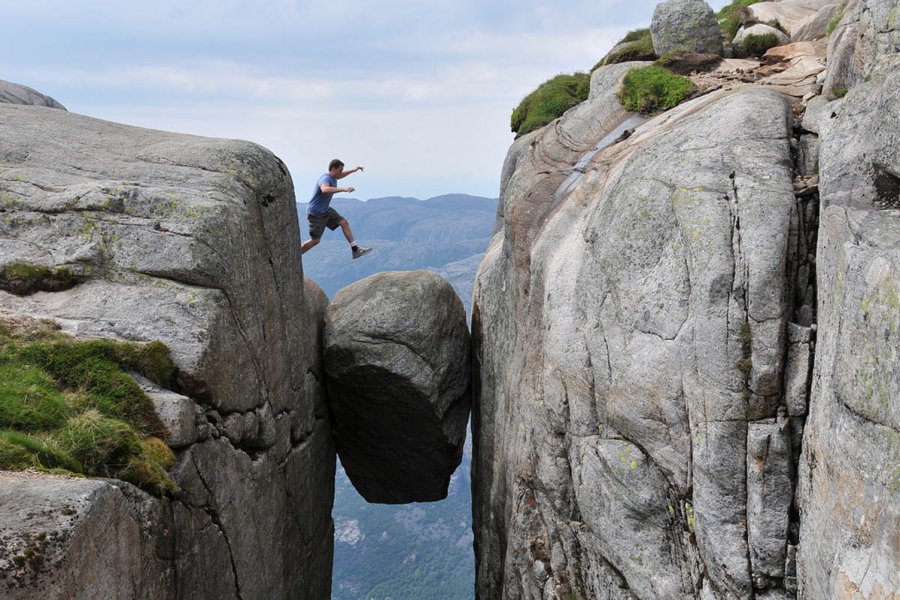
[[320, 202]]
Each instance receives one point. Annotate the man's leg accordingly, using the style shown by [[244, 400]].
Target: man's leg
[[348, 233], [305, 246]]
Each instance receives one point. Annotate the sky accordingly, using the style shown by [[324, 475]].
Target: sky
[[419, 93]]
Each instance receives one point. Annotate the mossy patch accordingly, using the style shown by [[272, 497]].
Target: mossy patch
[[757, 45], [838, 92], [70, 405], [549, 101], [24, 279], [652, 89], [833, 23], [637, 45]]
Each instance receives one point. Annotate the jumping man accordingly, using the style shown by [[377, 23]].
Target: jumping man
[[321, 215]]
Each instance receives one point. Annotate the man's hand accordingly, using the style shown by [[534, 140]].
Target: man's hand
[[349, 190], [358, 169]]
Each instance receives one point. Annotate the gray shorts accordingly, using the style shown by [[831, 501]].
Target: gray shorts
[[317, 223]]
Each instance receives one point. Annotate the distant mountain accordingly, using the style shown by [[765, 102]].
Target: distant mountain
[[416, 551], [406, 234]]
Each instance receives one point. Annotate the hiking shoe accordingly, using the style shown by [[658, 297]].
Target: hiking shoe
[[360, 251]]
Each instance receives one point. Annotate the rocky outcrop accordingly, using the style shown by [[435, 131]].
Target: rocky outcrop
[[862, 41], [686, 25], [849, 478], [14, 93], [80, 539], [623, 350], [816, 26], [397, 366], [789, 15], [646, 341], [192, 241]]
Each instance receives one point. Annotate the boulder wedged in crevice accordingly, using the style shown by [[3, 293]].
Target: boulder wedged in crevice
[[396, 353]]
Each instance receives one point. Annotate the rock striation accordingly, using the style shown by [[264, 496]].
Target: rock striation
[[397, 370], [686, 373], [192, 241]]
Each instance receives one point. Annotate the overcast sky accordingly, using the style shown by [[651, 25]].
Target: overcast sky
[[420, 93]]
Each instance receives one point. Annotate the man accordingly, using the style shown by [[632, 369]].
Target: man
[[321, 215]]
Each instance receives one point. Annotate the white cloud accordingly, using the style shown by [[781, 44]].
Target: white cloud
[[420, 94]]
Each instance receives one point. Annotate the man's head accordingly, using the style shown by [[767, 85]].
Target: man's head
[[335, 167]]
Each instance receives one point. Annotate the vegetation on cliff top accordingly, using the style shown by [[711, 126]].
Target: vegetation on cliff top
[[549, 101], [636, 45], [652, 88], [70, 405], [731, 17]]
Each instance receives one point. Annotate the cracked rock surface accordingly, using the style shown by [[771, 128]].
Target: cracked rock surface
[[686, 374], [850, 469], [193, 241], [629, 344], [397, 365]]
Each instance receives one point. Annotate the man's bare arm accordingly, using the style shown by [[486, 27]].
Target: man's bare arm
[[345, 173], [327, 189]]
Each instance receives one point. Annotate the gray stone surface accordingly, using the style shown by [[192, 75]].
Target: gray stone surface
[[77, 539], [192, 241], [790, 15], [15, 93], [770, 493], [178, 413], [685, 25], [398, 367], [796, 378], [849, 496], [867, 37], [738, 44], [815, 26], [607, 331], [808, 150]]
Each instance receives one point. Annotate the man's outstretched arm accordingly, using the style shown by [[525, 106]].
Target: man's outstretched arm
[[345, 173]]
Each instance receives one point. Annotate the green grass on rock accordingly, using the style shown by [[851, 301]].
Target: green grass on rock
[[70, 405], [651, 89], [24, 279], [637, 45], [549, 101], [757, 45]]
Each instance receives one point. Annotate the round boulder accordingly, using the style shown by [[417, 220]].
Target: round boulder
[[397, 370], [688, 25]]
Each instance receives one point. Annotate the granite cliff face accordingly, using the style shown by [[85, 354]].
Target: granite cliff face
[[191, 241], [685, 338]]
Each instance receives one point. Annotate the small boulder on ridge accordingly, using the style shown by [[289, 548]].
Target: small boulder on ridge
[[688, 25]]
